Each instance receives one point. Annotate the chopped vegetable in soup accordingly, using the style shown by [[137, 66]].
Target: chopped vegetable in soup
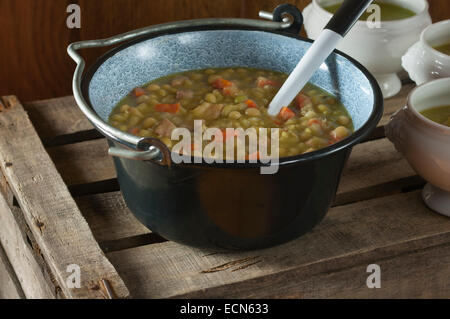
[[388, 11], [232, 98], [440, 114]]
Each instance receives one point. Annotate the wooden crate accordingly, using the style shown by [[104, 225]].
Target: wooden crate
[[61, 205]]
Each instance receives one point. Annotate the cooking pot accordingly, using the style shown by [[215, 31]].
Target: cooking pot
[[229, 205]]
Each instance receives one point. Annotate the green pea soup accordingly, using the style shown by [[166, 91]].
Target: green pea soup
[[439, 114], [389, 11]]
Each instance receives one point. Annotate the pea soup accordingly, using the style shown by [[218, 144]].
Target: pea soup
[[232, 98], [389, 11], [445, 48], [440, 114]]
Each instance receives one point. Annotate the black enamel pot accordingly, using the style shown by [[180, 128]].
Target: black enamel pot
[[231, 206]]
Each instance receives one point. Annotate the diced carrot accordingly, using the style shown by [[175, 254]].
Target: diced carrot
[[221, 83], [138, 92], [253, 156], [251, 104], [262, 82], [134, 131], [285, 114], [168, 108], [302, 100]]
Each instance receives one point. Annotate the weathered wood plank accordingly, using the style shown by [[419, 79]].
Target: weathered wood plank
[[5, 190], [29, 266], [367, 231], [9, 284], [373, 163], [59, 116], [414, 274], [59, 228], [84, 162], [109, 217]]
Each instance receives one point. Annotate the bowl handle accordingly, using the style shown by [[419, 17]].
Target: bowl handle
[[127, 139], [395, 130]]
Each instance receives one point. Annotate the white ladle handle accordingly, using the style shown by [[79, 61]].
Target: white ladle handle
[[311, 61], [336, 29]]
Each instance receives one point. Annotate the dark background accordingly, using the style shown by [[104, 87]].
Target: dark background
[[34, 37]]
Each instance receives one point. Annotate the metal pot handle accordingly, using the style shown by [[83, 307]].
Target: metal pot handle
[[154, 149], [134, 142]]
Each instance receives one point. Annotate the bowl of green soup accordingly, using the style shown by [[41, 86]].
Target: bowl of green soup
[[429, 58], [381, 37], [421, 132]]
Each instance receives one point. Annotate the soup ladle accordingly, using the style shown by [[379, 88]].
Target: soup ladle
[[339, 25]]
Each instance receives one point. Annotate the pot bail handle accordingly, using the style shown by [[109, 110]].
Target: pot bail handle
[[279, 15], [152, 149]]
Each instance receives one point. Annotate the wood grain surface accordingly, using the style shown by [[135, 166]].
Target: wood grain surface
[[394, 232], [34, 36], [10, 287]]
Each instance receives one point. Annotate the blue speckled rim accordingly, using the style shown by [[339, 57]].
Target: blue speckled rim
[[356, 137]]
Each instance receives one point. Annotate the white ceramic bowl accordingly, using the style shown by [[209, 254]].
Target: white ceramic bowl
[[424, 63], [378, 49], [424, 143]]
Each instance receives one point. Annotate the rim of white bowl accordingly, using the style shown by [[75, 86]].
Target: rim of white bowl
[[425, 42], [427, 121], [418, 15]]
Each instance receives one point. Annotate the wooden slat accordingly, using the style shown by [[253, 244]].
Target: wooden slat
[[84, 162], [22, 252], [412, 274], [373, 163], [109, 217], [364, 232], [60, 230], [9, 284], [58, 116]]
